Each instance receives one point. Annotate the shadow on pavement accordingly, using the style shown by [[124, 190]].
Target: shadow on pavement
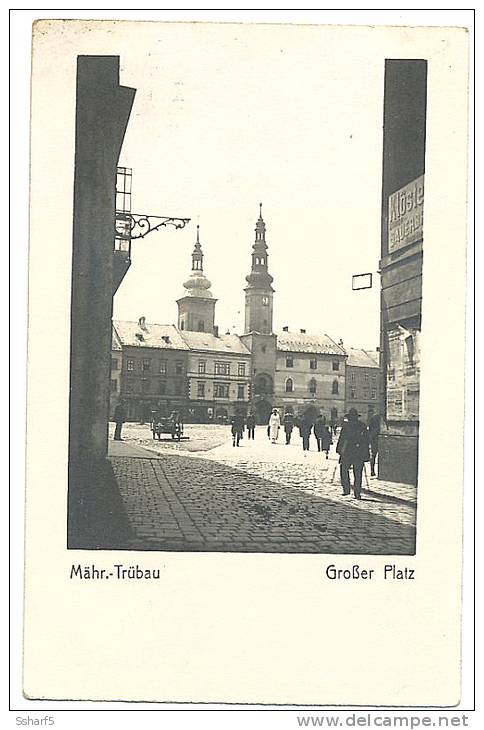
[[220, 508]]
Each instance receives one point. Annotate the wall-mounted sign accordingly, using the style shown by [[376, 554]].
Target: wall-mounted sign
[[405, 215], [403, 374]]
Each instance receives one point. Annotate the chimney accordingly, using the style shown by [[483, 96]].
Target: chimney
[[215, 330], [303, 332], [142, 322], [285, 329]]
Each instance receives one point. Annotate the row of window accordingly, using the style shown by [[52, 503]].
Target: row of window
[[366, 377], [312, 386], [313, 363], [366, 393], [222, 367], [220, 390], [149, 386], [147, 365]]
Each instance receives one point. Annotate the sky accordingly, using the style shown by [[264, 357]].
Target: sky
[[227, 116]]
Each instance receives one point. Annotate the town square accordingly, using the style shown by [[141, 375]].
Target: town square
[[245, 362]]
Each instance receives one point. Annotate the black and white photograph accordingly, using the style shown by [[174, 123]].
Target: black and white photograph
[[246, 310], [246, 363]]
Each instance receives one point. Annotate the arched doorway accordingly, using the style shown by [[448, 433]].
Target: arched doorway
[[262, 412]]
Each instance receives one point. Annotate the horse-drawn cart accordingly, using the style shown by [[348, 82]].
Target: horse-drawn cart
[[171, 425]]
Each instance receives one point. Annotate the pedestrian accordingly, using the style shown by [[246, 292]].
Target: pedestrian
[[298, 424], [353, 450], [288, 423], [274, 425], [373, 434], [250, 423], [323, 436], [119, 419], [238, 425], [327, 440], [333, 422], [305, 430]]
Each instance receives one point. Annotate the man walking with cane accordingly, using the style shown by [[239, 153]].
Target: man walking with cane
[[353, 449]]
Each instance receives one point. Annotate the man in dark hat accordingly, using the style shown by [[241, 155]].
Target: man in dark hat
[[238, 425], [353, 450], [288, 422], [250, 423]]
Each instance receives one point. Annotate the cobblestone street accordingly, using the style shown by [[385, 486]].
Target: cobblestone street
[[259, 497]]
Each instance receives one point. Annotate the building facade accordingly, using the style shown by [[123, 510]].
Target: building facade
[[218, 376], [116, 369], [363, 383], [404, 131], [103, 108], [310, 375], [153, 374]]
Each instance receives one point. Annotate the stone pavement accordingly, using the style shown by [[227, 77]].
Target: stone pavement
[[125, 448], [259, 498]]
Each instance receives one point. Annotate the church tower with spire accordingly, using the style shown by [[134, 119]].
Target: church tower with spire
[[259, 292], [196, 308], [258, 336]]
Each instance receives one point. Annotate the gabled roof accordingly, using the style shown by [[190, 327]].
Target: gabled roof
[[302, 342], [362, 358], [160, 336], [206, 341]]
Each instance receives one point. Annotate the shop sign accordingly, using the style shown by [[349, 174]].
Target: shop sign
[[405, 215]]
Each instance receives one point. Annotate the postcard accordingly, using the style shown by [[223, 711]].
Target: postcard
[[246, 346]]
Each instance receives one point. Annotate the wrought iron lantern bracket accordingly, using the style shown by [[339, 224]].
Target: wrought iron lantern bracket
[[129, 226]]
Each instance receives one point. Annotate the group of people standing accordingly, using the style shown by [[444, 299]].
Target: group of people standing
[[357, 442], [305, 425]]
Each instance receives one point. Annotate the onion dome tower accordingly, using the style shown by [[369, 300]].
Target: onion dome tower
[[196, 308], [259, 292]]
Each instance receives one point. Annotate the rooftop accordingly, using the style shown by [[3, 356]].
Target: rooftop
[[160, 336], [302, 342], [206, 341], [362, 358]]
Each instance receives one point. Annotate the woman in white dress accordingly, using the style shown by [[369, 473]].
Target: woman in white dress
[[274, 425]]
